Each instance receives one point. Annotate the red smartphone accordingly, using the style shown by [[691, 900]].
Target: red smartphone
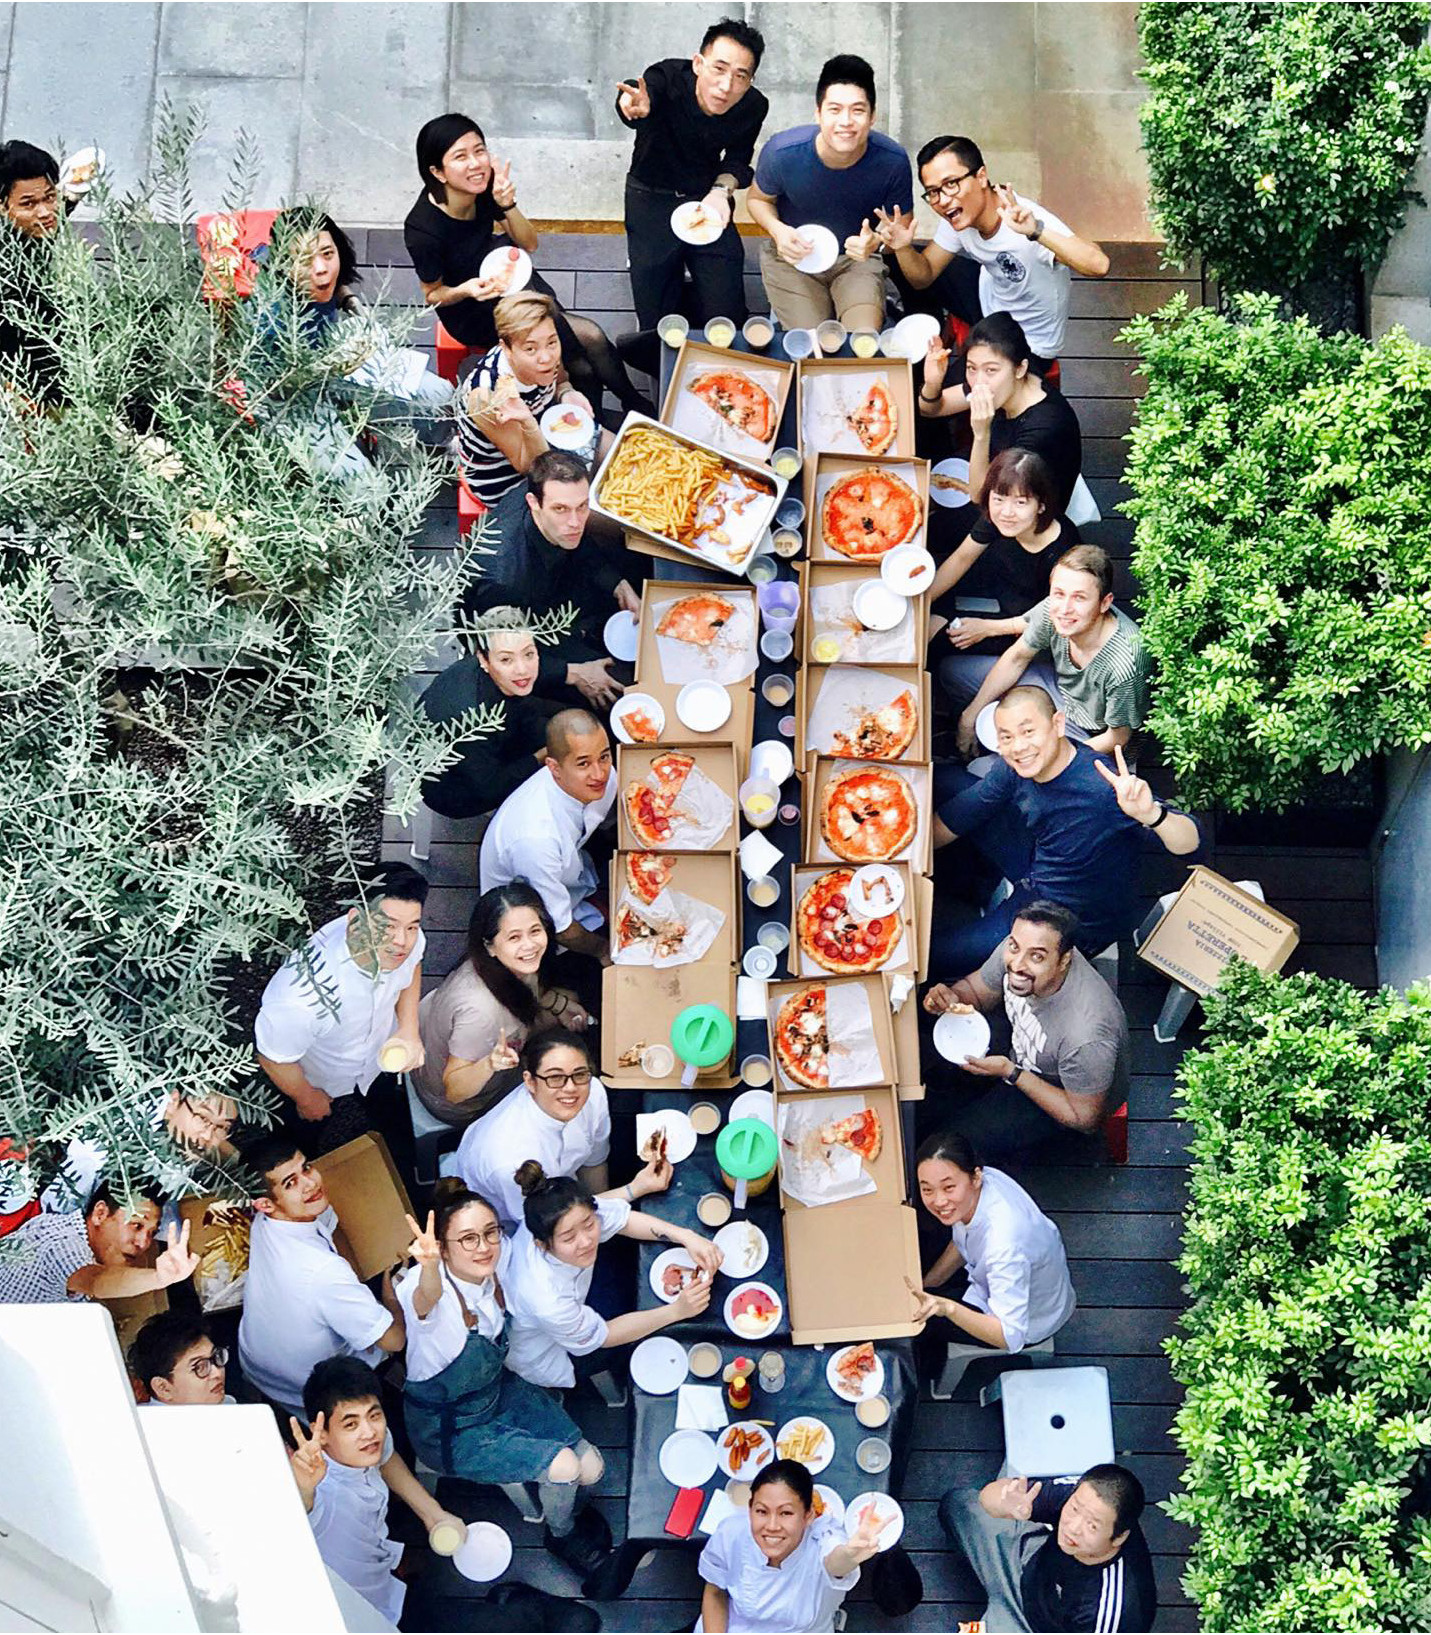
[[685, 1512]]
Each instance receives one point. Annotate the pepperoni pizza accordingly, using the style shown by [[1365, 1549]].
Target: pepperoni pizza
[[834, 937]]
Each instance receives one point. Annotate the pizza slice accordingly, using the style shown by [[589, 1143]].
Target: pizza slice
[[670, 772], [648, 874], [883, 734], [857, 1364], [876, 421], [860, 1132], [802, 1039], [738, 400], [697, 619], [649, 814]]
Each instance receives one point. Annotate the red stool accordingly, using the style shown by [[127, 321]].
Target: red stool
[[17, 1217], [956, 335], [1115, 1134], [469, 509], [227, 241], [450, 353]]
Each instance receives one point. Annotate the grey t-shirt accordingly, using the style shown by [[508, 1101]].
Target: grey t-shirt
[[1076, 1038], [1111, 690]]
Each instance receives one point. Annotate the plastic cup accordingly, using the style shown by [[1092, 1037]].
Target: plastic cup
[[658, 1061], [758, 332], [759, 963], [713, 1209], [673, 328], [705, 1358], [886, 342], [446, 1538], [720, 331], [786, 542], [782, 598], [799, 343], [790, 513], [774, 935], [786, 462], [864, 343], [872, 1412], [756, 1071], [777, 645], [761, 569], [759, 798], [790, 815], [826, 650], [705, 1118], [394, 1056], [873, 1455], [763, 891], [777, 690], [831, 335], [786, 726]]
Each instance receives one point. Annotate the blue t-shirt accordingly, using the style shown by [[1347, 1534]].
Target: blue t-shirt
[[1085, 847], [805, 189]]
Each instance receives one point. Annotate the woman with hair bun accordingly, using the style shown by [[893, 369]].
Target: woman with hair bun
[[467, 1415], [553, 1256]]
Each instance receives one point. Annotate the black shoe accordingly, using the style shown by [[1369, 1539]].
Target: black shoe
[[591, 1527], [640, 351], [582, 1555], [533, 1609]]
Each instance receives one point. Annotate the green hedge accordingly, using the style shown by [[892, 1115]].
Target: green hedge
[[1282, 493], [1280, 137], [1307, 1353]]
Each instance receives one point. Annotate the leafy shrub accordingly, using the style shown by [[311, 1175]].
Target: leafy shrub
[[1280, 137], [1282, 492], [1307, 1352]]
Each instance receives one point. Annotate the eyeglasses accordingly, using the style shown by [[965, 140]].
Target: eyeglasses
[[202, 1367], [555, 1081], [945, 189], [207, 1121], [468, 1242]]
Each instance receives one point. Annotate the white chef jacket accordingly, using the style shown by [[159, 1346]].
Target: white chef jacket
[[435, 1342], [338, 1052], [1017, 1268], [537, 835], [496, 1145], [302, 1303], [546, 1303], [1019, 277], [349, 1519], [764, 1600]]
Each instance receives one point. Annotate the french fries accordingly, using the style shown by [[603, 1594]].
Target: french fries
[[803, 1443], [660, 484]]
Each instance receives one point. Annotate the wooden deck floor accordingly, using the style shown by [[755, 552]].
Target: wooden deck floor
[[1121, 1225]]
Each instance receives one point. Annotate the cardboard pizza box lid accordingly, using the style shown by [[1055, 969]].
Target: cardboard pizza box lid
[[876, 991], [827, 1304], [813, 575], [914, 471], [638, 1006], [716, 761], [817, 772], [898, 376], [699, 355], [371, 1203], [1210, 921]]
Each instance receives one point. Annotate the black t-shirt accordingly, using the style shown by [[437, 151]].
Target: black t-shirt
[[28, 319], [1049, 429], [444, 249], [1061, 1594], [682, 149], [491, 767], [1018, 578]]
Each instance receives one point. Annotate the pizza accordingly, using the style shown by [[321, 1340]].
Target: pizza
[[697, 619], [802, 1041], [648, 874], [869, 512], [856, 1364], [833, 937], [876, 421], [666, 937], [868, 814], [883, 734], [738, 400], [860, 1132], [649, 807], [671, 771], [642, 728]]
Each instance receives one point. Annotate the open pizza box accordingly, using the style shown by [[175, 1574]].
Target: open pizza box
[[824, 470], [860, 1029], [906, 953], [827, 592], [835, 379], [129, 1313], [716, 761], [683, 411], [638, 1006], [371, 1203], [709, 877], [916, 779], [833, 698]]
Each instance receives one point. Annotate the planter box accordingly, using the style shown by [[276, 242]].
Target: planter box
[[1341, 809]]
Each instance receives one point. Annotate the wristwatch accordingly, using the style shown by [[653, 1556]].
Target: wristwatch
[[1038, 229], [1011, 1078]]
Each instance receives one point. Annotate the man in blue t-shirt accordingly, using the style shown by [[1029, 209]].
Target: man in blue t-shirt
[[834, 174], [1059, 823]]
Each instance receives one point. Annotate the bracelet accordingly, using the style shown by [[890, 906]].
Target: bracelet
[[630, 1195], [1163, 810], [924, 396]]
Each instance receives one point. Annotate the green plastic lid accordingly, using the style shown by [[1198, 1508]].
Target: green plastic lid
[[702, 1035], [746, 1149]]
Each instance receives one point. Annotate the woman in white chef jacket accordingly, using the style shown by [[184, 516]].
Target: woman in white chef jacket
[[553, 1255], [1019, 1291], [778, 1567]]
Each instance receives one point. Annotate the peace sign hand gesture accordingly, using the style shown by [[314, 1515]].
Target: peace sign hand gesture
[[176, 1263], [1018, 1497], [1134, 795], [896, 232], [504, 190], [634, 101], [864, 1541], [859, 246], [307, 1463], [1018, 216], [424, 1248]]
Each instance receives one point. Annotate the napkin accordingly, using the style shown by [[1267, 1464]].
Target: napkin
[[757, 856], [900, 988], [749, 999], [700, 1408], [716, 1511]]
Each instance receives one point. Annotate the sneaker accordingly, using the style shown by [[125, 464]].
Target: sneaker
[[582, 1555], [592, 1527], [535, 1609]]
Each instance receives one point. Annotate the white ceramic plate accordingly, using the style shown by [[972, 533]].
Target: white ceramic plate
[[834, 1504], [680, 1134], [984, 729], [667, 1257], [887, 1508], [911, 336], [622, 635], [754, 1104], [877, 607], [728, 1311], [826, 1449], [688, 1458], [560, 433], [707, 233], [878, 904], [486, 1552], [77, 161], [659, 1365], [745, 1248], [703, 706], [950, 496], [826, 249], [872, 1384], [907, 570], [496, 261], [636, 701], [754, 1460], [960, 1034]]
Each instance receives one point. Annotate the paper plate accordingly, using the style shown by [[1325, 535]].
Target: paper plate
[[911, 336], [707, 233], [651, 707], [703, 706], [960, 1034], [984, 729], [486, 1552], [659, 1365], [825, 1451], [496, 260], [680, 1132], [877, 607], [887, 1507], [834, 1504], [622, 635], [754, 1104], [733, 1239], [667, 1257], [877, 905], [771, 759], [907, 570], [77, 161], [950, 496], [872, 1384], [758, 1456], [570, 438], [826, 249], [688, 1458], [728, 1311]]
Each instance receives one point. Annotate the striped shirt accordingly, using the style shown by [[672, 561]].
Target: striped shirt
[[489, 473], [1111, 690]]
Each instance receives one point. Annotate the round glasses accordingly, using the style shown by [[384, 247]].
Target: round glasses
[[202, 1367], [470, 1242], [945, 189]]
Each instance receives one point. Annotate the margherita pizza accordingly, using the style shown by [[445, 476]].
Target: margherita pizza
[[868, 814], [802, 1042], [876, 421], [648, 874], [832, 936], [867, 513], [883, 734], [860, 1132], [697, 619], [671, 771], [738, 400]]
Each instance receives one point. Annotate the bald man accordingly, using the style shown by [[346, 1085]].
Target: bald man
[[539, 833]]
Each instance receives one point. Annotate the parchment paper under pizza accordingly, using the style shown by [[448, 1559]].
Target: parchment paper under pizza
[[848, 411], [822, 1037], [676, 807], [729, 406], [870, 812], [865, 714], [832, 613], [672, 929], [706, 635], [814, 1170]]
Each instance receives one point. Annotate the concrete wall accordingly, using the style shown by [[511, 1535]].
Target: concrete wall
[[336, 92], [1401, 293], [1403, 873]]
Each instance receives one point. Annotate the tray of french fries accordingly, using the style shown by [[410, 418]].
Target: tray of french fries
[[710, 505]]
